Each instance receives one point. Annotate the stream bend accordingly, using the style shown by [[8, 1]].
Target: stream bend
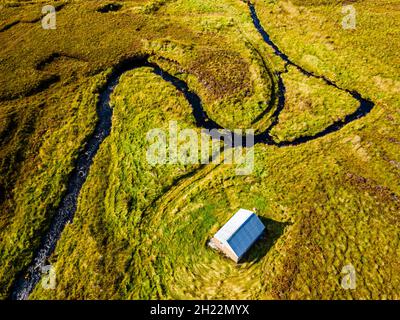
[[27, 281]]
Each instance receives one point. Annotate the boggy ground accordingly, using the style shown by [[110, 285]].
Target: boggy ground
[[141, 231]]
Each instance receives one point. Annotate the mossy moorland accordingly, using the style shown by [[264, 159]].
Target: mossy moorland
[[140, 232], [40, 122]]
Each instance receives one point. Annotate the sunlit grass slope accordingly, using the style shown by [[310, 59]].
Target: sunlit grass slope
[[49, 84], [141, 231]]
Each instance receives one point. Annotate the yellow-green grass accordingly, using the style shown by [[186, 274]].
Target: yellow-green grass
[[310, 106], [44, 129], [141, 232], [109, 224]]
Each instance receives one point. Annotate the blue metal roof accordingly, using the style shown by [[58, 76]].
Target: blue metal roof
[[233, 224], [241, 231]]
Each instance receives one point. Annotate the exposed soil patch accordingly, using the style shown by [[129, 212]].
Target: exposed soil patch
[[369, 185], [222, 72]]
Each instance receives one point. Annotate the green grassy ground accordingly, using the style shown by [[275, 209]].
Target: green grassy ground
[[141, 232], [311, 106]]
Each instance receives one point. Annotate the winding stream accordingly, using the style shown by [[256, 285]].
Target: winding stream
[[24, 285], [364, 108]]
